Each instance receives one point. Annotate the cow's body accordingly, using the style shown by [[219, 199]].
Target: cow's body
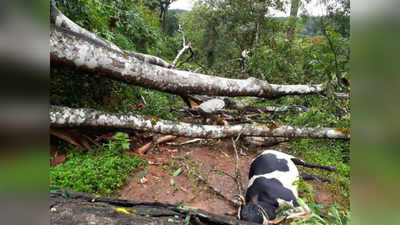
[[272, 184]]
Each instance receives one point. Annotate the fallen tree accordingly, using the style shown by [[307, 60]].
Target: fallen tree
[[69, 117], [80, 208], [71, 45]]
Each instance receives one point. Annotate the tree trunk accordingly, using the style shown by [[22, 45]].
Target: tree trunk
[[68, 117], [294, 8], [81, 208], [81, 49]]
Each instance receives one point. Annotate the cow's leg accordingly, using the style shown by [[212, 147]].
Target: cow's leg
[[302, 163], [306, 176]]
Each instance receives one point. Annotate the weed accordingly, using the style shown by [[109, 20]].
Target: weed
[[101, 170]]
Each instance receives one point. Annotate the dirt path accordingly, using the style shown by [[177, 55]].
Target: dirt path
[[201, 158]]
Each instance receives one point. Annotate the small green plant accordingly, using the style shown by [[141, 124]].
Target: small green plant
[[101, 171], [306, 190], [119, 143]]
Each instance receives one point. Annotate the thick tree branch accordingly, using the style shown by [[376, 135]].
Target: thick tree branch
[[59, 19], [72, 45], [68, 117]]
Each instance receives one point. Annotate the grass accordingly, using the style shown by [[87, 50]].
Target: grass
[[100, 171], [330, 153]]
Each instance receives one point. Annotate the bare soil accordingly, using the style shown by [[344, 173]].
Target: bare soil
[[206, 158]]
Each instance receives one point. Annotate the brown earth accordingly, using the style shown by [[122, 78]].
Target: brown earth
[[201, 157]]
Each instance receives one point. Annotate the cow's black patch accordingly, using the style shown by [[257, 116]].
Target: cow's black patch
[[267, 163], [268, 191], [251, 212]]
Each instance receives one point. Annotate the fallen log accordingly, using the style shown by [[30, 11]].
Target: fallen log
[[73, 46], [69, 117], [81, 208]]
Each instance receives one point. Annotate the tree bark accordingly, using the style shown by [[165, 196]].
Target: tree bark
[[69, 117], [81, 208], [57, 18], [76, 47]]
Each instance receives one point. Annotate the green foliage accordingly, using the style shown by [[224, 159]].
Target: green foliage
[[101, 170], [219, 33], [93, 91], [158, 104], [331, 153], [119, 21]]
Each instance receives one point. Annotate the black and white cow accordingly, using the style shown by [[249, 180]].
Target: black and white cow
[[272, 184]]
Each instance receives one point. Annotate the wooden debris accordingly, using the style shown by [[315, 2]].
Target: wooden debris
[[143, 150]]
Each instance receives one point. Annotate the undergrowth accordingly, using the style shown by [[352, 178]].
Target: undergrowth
[[93, 91], [101, 170]]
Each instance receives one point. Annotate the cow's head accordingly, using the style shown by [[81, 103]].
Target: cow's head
[[253, 212]]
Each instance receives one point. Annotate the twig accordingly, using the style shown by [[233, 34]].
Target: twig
[[210, 187], [238, 178], [221, 171], [144, 100]]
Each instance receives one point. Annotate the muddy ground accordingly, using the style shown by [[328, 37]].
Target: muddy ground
[[205, 158]]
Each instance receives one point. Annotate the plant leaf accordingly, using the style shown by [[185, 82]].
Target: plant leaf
[[177, 172]]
